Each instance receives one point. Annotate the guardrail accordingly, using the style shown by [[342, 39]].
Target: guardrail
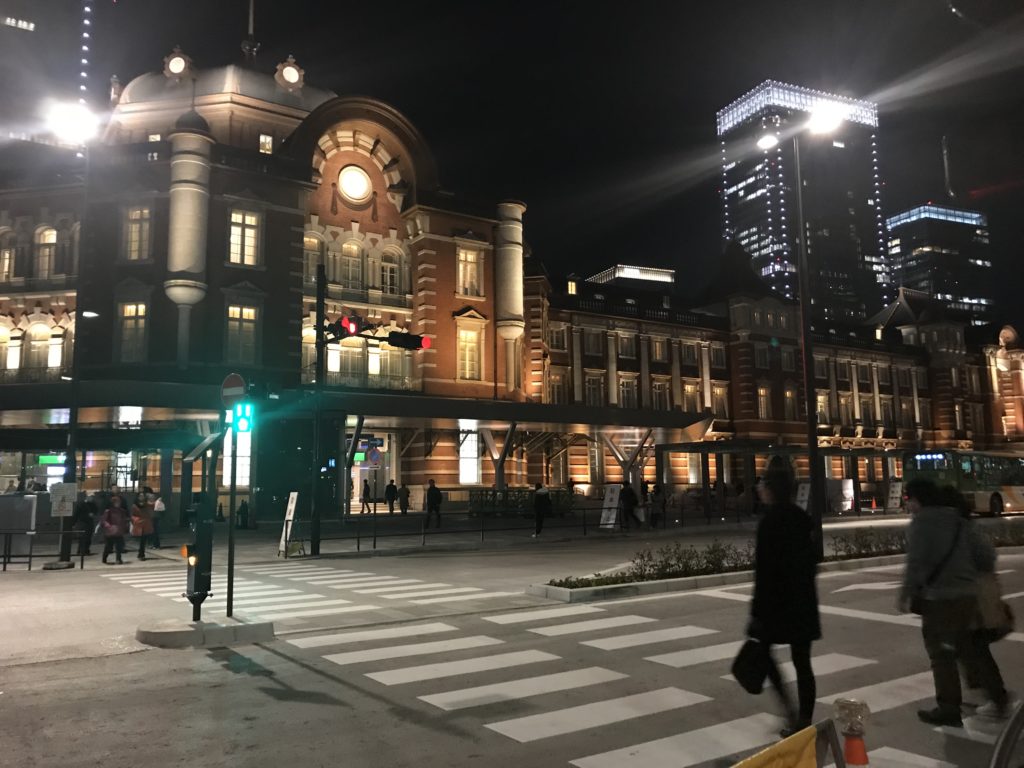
[[9, 557]]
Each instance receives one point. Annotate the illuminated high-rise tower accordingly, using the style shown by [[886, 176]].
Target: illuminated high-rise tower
[[841, 196]]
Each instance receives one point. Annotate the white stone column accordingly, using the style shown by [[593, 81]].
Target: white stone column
[[877, 394], [645, 371], [508, 301], [855, 389], [577, 365], [705, 371], [612, 358], [677, 372]]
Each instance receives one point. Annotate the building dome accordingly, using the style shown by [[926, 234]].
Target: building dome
[[192, 121], [230, 80]]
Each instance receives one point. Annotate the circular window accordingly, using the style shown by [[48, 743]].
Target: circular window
[[176, 65], [290, 74], [354, 183]]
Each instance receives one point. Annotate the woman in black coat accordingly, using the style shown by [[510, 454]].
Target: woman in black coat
[[784, 610]]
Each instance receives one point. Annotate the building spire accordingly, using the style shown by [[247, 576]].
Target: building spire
[[249, 46]]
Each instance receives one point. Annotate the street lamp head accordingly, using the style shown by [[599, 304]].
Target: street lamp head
[[768, 141], [826, 117], [89, 314], [73, 124]]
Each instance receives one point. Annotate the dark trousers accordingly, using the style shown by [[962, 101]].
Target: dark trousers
[[946, 629], [154, 540], [85, 540], [433, 510], [538, 521], [142, 545], [112, 543], [628, 517], [806, 686], [391, 506], [404, 506]]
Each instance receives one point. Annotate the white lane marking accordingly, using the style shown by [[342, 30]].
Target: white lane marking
[[357, 576], [270, 596], [694, 656], [138, 581], [261, 606], [897, 758], [314, 612], [521, 617], [595, 714], [980, 729], [647, 638], [588, 626], [238, 590], [463, 667], [381, 582], [1013, 595], [455, 598], [869, 586], [283, 572], [826, 664], [523, 688], [691, 748], [377, 590], [891, 693], [360, 636], [415, 649], [431, 593]]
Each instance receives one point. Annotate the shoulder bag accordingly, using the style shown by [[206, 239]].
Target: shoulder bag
[[917, 601]]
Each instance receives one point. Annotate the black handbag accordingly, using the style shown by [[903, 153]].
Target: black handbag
[[750, 667], [917, 601]]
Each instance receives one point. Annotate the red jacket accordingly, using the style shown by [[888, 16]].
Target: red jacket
[[115, 521]]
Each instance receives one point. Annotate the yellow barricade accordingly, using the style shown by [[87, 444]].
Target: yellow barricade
[[797, 751]]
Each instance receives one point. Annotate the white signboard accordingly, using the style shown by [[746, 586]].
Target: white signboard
[[289, 516], [895, 496], [803, 495], [62, 499], [610, 506]]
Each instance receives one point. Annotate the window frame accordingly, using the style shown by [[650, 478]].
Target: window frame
[[245, 227], [242, 303], [142, 326], [462, 270], [145, 225], [44, 252], [462, 372]]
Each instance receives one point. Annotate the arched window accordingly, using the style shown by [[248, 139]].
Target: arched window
[[8, 243], [312, 247], [46, 251], [390, 282], [36, 346], [351, 266]]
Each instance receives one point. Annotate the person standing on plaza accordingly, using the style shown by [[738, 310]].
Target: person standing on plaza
[[364, 498], [434, 499], [115, 525], [945, 554], [142, 521], [659, 503], [784, 610], [84, 521], [541, 508], [158, 512], [627, 506], [391, 496], [403, 499]]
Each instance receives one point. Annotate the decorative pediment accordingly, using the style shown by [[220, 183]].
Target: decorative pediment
[[244, 287], [469, 313]]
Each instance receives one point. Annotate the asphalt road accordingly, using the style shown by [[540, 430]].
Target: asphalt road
[[505, 679]]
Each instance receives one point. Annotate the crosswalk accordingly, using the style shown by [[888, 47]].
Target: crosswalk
[[547, 694], [280, 591]]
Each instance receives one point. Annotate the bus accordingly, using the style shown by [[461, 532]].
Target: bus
[[991, 482]]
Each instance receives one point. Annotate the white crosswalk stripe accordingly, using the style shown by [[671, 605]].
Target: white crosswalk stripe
[[523, 688], [823, 665], [387, 582], [367, 635], [648, 638], [462, 667], [522, 617], [890, 693], [588, 626], [416, 649], [306, 613], [457, 598], [431, 593], [595, 714], [372, 581], [692, 656], [261, 599], [357, 576], [897, 758], [378, 590]]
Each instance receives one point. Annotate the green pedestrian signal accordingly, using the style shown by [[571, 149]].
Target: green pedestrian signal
[[243, 417]]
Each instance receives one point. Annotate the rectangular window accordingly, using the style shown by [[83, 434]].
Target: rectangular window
[[790, 405], [691, 398], [469, 354], [820, 368], [717, 356], [591, 342], [595, 461], [310, 258], [906, 414], [867, 412], [842, 370], [884, 375], [556, 389], [266, 143], [761, 357], [660, 399], [659, 350], [977, 417], [627, 392], [136, 234], [903, 377], [822, 408], [627, 345], [888, 417], [243, 462], [974, 381], [244, 240], [863, 374], [764, 403], [389, 278], [6, 260], [593, 390], [133, 332], [690, 354], [958, 416], [845, 411], [926, 414], [954, 377], [720, 401], [469, 458], [241, 340], [470, 283], [557, 338], [788, 360]]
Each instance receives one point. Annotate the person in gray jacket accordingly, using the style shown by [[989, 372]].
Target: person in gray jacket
[[944, 555]]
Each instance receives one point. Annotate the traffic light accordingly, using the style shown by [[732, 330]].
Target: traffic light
[[408, 340], [199, 559], [243, 417], [344, 327]]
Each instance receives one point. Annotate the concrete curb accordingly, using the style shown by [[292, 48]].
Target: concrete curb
[[204, 634]]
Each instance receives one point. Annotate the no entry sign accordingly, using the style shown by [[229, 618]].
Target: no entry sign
[[232, 390]]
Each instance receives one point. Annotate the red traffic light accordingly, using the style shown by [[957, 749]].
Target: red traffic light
[[408, 340], [344, 327], [350, 325], [424, 342]]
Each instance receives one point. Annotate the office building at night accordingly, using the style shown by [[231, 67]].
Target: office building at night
[[841, 196], [944, 252]]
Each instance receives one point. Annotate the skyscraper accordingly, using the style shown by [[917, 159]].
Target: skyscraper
[[841, 195], [945, 252]]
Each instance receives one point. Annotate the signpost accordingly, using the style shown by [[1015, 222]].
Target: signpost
[[232, 391], [286, 529], [610, 506]]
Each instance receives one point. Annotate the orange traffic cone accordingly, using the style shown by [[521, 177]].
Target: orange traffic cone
[[874, 504], [854, 752]]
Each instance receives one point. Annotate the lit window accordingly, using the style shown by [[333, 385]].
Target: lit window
[[628, 392], [154, 137], [764, 404], [557, 338], [658, 349], [469, 354], [349, 271], [660, 399], [572, 288], [594, 390], [132, 318], [8, 243], [556, 389], [790, 404], [46, 251], [310, 257], [241, 335], [691, 398], [469, 272], [389, 273], [136, 234], [469, 458], [266, 143], [627, 345], [36, 342], [720, 401], [243, 462], [823, 410], [244, 246]]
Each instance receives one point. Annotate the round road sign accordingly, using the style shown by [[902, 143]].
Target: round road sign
[[232, 390]]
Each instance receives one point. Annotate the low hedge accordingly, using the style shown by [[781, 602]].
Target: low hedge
[[677, 560]]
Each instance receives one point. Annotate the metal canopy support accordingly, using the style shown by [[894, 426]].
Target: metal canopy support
[[626, 462], [410, 441], [498, 457]]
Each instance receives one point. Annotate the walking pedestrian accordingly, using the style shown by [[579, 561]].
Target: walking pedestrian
[[945, 554], [142, 521], [434, 499], [403, 499], [541, 508], [158, 512], [364, 497], [659, 502], [784, 610], [627, 506], [84, 521], [391, 496], [115, 525]]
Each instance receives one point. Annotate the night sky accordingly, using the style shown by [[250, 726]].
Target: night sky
[[601, 116]]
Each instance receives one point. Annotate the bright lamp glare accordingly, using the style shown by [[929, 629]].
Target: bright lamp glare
[[768, 141], [290, 74], [355, 184], [88, 313], [72, 123], [826, 116], [176, 65]]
